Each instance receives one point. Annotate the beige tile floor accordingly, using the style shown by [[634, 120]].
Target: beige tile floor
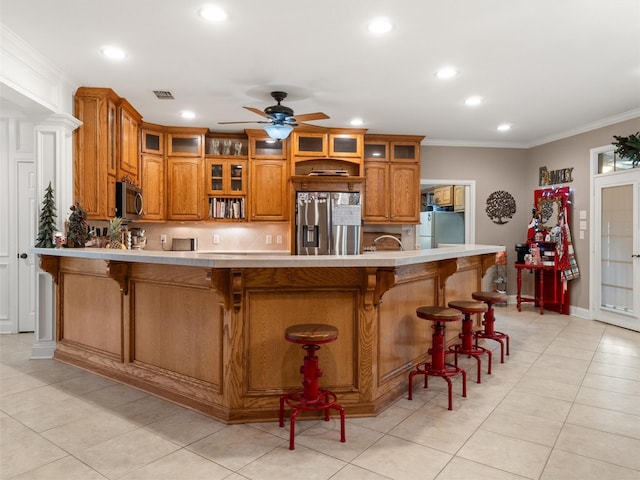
[[564, 405]]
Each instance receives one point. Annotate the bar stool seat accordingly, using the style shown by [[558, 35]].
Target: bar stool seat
[[489, 332], [310, 397], [438, 366], [466, 346]]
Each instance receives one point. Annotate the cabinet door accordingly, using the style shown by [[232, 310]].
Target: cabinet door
[[269, 190], [185, 199], [404, 185], [458, 198], [404, 151], [152, 141], [376, 192], [345, 145], [266, 148], [307, 144], [95, 154], [128, 144], [376, 151], [152, 183], [226, 177], [111, 196], [184, 145]]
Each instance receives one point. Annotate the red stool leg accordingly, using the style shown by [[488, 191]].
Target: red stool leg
[[310, 397], [490, 333], [438, 366]]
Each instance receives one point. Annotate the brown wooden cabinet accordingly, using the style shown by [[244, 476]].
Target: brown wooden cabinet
[[458, 198], [152, 171], [185, 199], [269, 192], [345, 143], [130, 119], [392, 179], [152, 184], [226, 175], [443, 196], [269, 178], [105, 149]]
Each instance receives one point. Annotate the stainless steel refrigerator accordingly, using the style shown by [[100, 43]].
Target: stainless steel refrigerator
[[328, 223], [440, 227]]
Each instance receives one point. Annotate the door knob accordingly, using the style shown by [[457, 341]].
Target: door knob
[[23, 255]]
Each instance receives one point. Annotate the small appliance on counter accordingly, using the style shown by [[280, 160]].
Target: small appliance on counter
[[328, 223], [138, 239], [184, 244]]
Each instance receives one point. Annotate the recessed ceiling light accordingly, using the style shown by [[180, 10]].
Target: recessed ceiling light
[[447, 72], [188, 114], [112, 52], [213, 14], [504, 127], [356, 122], [380, 25], [473, 101]]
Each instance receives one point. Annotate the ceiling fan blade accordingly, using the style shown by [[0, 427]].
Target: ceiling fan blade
[[248, 121], [311, 116], [257, 112]]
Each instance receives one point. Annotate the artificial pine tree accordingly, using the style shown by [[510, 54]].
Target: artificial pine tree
[[47, 224], [78, 227]]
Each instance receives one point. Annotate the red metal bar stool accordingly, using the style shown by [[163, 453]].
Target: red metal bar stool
[[438, 366], [310, 397], [466, 346], [489, 320]]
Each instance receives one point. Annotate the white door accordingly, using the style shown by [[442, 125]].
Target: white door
[[27, 234], [616, 287]]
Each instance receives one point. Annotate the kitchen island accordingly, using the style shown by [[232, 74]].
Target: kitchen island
[[206, 330]]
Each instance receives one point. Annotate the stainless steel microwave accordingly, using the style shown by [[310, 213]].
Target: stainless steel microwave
[[129, 202]]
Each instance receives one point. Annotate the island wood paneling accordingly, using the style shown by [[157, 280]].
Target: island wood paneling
[[180, 330], [213, 339], [90, 308]]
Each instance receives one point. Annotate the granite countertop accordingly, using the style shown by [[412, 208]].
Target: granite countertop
[[274, 259]]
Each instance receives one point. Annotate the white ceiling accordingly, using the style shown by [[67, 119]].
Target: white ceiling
[[550, 68]]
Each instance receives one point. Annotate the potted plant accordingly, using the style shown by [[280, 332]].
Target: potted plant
[[47, 225], [628, 147], [78, 227]]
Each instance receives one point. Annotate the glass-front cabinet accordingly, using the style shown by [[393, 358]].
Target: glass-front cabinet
[[338, 144], [226, 177]]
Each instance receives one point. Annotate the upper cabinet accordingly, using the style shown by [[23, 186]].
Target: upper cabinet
[[226, 175], [392, 179], [152, 171], [129, 136], [269, 178], [327, 149], [185, 173], [105, 149]]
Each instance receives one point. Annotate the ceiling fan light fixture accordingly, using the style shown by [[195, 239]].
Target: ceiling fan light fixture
[[278, 132]]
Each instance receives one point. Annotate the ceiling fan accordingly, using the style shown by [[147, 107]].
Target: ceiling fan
[[281, 118]]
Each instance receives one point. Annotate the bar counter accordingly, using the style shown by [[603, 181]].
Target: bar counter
[[206, 329]]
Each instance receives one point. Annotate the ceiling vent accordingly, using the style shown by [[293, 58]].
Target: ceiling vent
[[163, 94]]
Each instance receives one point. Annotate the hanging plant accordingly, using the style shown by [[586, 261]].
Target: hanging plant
[[628, 147]]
